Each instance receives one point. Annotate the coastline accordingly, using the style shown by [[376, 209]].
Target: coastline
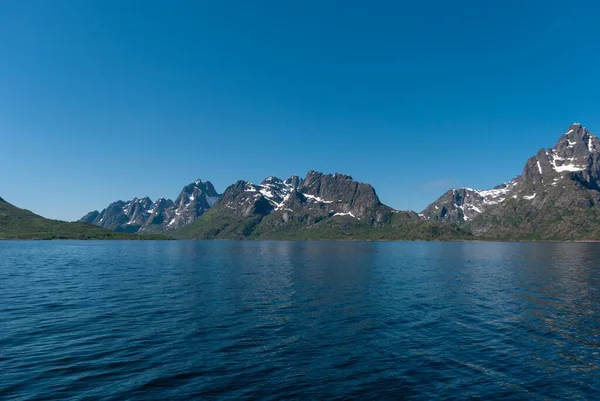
[[491, 240]]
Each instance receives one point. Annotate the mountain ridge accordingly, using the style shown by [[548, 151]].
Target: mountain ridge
[[142, 215], [558, 188], [17, 223], [319, 206], [555, 196]]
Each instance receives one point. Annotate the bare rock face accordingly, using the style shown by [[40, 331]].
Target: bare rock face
[[194, 199], [278, 208], [557, 189], [90, 217], [163, 215], [574, 157], [328, 195], [317, 206], [464, 204], [356, 199]]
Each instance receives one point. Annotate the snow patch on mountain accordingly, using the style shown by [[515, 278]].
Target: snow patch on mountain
[[344, 214], [316, 198], [144, 215], [495, 195], [576, 151], [277, 192], [559, 165]]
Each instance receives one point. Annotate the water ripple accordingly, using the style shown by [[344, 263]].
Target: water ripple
[[277, 320]]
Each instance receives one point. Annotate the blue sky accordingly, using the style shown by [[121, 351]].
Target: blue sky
[[106, 100]]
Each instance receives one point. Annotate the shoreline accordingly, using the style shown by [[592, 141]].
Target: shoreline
[[310, 240]]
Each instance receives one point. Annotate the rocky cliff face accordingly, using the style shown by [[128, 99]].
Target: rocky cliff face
[[194, 199], [163, 215], [575, 157], [329, 195], [557, 189], [557, 196], [318, 206], [464, 204]]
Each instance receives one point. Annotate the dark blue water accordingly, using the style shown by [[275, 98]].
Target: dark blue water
[[272, 320]]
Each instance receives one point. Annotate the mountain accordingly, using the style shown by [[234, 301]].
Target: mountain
[[163, 215], [332, 206], [16, 223], [121, 216], [464, 204], [557, 196]]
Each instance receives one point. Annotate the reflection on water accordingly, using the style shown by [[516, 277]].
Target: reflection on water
[[177, 320]]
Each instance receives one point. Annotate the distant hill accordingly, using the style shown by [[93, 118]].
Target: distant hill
[[16, 223]]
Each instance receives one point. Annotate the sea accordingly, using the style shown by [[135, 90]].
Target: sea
[[271, 320]]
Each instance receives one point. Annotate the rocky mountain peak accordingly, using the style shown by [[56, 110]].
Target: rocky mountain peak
[[338, 188], [574, 159], [160, 205], [575, 126], [294, 181], [90, 217], [200, 187], [464, 204], [246, 199], [138, 203], [261, 199], [234, 190], [143, 215], [271, 180], [319, 200], [314, 175], [576, 142], [193, 201], [303, 200]]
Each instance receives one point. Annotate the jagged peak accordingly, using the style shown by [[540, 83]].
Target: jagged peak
[[343, 176], [145, 199], [239, 185], [199, 186], [294, 181], [314, 173], [272, 180], [572, 148], [576, 129], [162, 200]]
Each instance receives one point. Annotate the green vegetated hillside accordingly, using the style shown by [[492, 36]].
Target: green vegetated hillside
[[16, 223], [278, 226], [568, 213]]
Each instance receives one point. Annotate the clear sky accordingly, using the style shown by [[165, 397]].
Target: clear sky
[[110, 99]]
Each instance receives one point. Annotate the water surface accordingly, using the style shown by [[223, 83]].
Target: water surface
[[272, 320]]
